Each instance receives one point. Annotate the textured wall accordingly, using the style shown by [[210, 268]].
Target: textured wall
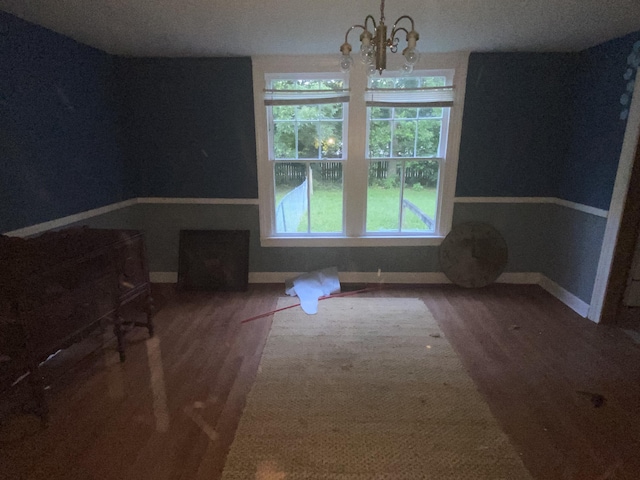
[[598, 129], [516, 124], [534, 125], [59, 153], [188, 125]]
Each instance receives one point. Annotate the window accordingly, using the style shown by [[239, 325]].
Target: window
[[307, 129], [408, 119], [352, 160]]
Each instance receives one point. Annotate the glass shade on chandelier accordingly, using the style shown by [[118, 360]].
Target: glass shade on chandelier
[[374, 43]]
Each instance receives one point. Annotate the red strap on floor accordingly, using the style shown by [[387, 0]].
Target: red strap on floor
[[335, 295]]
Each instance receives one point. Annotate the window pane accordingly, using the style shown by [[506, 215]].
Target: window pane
[[381, 82], [308, 112], [432, 112], [309, 132], [291, 197], [330, 139], [318, 85], [406, 112], [307, 140], [407, 82], [383, 196], [404, 138], [379, 112], [284, 140], [433, 81], [326, 197], [379, 139], [420, 196], [284, 85], [428, 137], [331, 111], [293, 194], [285, 112], [291, 84]]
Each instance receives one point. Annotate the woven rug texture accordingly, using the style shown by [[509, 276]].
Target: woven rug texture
[[368, 388]]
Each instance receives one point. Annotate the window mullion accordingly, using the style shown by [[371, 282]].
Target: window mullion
[[309, 187], [393, 131], [402, 173], [296, 134], [356, 164], [415, 134]]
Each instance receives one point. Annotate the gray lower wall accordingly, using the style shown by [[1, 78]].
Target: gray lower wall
[[121, 218], [562, 243], [573, 250], [524, 226]]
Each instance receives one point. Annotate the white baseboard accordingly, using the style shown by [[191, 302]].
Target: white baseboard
[[393, 277], [569, 299], [357, 277], [521, 278]]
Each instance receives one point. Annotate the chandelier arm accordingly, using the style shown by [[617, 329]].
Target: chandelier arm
[[353, 27], [366, 22], [401, 18], [394, 32]]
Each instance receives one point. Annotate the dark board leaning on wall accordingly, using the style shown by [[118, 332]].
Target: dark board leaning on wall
[[214, 260]]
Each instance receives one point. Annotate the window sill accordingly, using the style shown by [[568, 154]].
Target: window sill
[[386, 241]]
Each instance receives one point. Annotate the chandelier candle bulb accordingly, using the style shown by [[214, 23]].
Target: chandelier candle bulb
[[367, 51], [346, 61]]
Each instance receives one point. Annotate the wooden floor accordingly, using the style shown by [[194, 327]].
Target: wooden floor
[[170, 411]]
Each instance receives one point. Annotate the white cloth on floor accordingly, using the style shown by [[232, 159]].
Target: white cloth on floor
[[309, 287]]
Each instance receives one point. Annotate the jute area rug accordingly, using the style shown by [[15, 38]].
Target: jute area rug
[[368, 388]]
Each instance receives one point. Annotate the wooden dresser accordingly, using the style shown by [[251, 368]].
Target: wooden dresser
[[56, 288]]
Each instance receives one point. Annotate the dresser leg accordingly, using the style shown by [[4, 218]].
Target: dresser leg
[[37, 387], [117, 330], [150, 308]]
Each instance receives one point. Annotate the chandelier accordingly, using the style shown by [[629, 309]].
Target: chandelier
[[373, 46]]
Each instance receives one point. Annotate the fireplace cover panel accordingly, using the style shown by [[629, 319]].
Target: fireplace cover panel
[[214, 260]]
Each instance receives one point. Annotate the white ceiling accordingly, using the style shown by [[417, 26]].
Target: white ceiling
[[254, 27]]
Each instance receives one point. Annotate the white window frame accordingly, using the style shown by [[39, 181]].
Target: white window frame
[[441, 157], [355, 154]]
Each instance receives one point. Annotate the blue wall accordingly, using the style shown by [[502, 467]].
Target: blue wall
[[189, 126], [596, 141], [59, 152], [516, 124], [81, 129], [545, 124]]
